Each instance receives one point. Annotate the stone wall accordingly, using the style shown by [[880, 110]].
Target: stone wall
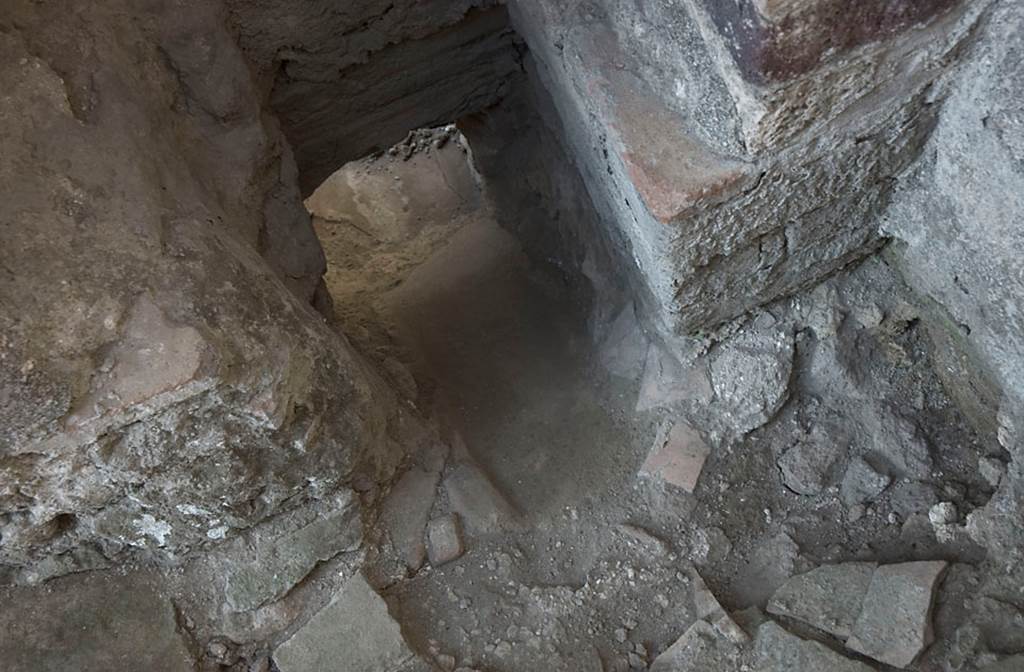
[[351, 79], [160, 386], [957, 218], [723, 190]]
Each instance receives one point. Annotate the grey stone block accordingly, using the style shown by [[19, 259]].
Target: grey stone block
[[353, 633]]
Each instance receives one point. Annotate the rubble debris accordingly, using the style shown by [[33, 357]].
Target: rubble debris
[[943, 513], [678, 459], [750, 377], [354, 629], [702, 647], [894, 625], [709, 545], [648, 540], [828, 597], [444, 539], [780, 651]]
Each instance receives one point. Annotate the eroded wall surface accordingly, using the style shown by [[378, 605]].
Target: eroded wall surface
[[161, 386], [958, 217], [350, 79]]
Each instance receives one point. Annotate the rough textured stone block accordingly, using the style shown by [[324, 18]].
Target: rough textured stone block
[[750, 377], [353, 633], [444, 539], [162, 384]]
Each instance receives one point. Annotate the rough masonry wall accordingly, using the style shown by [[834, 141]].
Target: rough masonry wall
[[351, 79], [761, 191], [958, 218], [160, 386]]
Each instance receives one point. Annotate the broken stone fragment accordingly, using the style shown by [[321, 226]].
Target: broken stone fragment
[[828, 597], [943, 513], [861, 483], [679, 458], [779, 651], [750, 377], [991, 470], [707, 608], [444, 539], [881, 611], [710, 643], [405, 512], [702, 647], [894, 625], [353, 632]]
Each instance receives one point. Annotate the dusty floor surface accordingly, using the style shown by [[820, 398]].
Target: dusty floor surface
[[828, 438]]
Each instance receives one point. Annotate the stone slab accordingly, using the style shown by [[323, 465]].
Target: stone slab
[[353, 633], [895, 624], [828, 597], [780, 651], [406, 511]]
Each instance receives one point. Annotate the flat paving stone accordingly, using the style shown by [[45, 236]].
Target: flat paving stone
[[828, 597], [894, 625], [353, 633], [778, 650]]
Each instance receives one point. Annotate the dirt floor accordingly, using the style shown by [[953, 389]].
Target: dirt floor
[[816, 432]]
